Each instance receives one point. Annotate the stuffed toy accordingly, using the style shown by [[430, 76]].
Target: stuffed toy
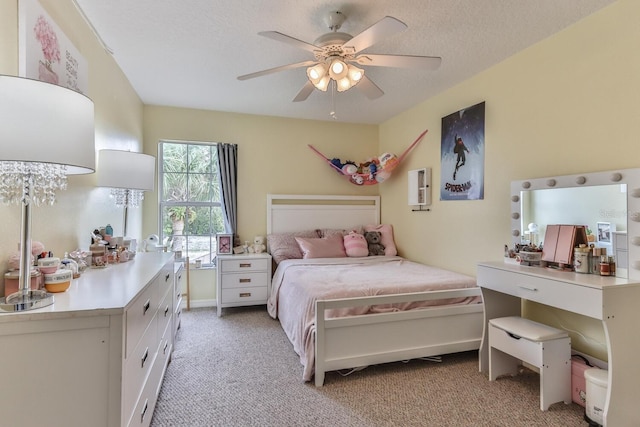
[[355, 245], [373, 242], [258, 245]]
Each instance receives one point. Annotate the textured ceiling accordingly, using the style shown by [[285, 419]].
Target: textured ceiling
[[188, 53]]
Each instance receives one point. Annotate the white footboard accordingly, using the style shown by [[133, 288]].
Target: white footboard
[[350, 342]]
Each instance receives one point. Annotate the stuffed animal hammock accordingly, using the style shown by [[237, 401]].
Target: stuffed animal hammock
[[374, 170]]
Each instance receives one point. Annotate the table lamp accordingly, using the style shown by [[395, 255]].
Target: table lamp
[[47, 132], [129, 175]]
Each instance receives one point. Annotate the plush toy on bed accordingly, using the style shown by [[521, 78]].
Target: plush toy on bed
[[373, 242], [355, 245]]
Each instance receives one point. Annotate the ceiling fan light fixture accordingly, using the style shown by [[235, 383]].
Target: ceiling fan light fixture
[[323, 83], [316, 72], [338, 69], [343, 84], [355, 74]]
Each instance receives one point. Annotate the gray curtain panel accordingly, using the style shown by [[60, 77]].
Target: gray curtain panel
[[228, 168]]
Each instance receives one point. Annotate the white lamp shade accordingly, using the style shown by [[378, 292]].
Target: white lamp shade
[[126, 169], [42, 122]]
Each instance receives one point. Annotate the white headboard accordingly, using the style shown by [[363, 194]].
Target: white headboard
[[287, 213]]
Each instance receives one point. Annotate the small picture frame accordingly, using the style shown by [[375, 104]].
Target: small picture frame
[[603, 232], [224, 243]]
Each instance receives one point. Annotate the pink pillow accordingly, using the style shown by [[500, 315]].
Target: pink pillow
[[386, 230], [284, 246], [328, 247], [355, 245]]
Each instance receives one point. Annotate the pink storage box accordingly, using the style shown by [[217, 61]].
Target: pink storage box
[[578, 382]]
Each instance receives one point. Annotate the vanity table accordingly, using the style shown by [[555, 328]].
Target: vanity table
[[612, 300], [97, 356], [615, 301]]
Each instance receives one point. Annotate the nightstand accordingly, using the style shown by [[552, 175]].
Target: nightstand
[[242, 280]]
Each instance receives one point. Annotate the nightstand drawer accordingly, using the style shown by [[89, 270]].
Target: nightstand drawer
[[240, 265], [244, 280], [244, 295]]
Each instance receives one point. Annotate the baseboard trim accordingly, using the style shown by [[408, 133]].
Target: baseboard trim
[[201, 303]]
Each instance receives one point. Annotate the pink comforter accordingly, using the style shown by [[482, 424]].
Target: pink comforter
[[297, 284]]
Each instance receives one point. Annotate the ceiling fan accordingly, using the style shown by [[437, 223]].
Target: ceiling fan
[[336, 55]]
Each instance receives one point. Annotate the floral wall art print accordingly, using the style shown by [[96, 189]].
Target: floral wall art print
[[45, 53], [462, 155]]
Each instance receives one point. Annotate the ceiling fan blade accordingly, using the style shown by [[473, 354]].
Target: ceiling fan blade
[[304, 93], [277, 69], [400, 61], [369, 88], [274, 35], [382, 29]]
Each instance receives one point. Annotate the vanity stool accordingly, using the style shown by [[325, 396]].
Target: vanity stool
[[514, 339]]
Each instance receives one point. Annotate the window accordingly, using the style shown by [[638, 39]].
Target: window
[[190, 203]]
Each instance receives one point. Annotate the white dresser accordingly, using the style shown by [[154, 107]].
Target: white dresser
[[242, 280], [612, 300], [97, 356]]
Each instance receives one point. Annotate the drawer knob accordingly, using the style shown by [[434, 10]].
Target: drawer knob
[[245, 280], [245, 265], [245, 294], [527, 288], [145, 307]]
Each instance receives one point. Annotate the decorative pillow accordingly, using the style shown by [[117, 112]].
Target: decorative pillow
[[387, 237], [284, 246], [355, 245], [326, 232], [328, 247]]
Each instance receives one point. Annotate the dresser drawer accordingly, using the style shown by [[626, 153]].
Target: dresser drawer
[[165, 312], [567, 296], [137, 367], [139, 314], [165, 282], [246, 295], [241, 265], [244, 280]]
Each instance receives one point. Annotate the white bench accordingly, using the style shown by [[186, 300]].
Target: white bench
[[515, 339]]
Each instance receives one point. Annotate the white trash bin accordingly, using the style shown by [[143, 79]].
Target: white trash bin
[[597, 382]]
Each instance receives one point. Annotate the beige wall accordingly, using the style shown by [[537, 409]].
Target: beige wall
[[273, 156], [118, 116], [566, 105]]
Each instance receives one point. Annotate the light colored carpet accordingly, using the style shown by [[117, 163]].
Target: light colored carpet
[[240, 370]]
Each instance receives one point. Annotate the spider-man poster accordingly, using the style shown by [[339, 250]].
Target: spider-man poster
[[462, 155]]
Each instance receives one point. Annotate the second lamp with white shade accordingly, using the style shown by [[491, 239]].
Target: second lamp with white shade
[[129, 175]]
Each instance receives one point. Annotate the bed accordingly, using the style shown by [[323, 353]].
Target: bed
[[343, 312]]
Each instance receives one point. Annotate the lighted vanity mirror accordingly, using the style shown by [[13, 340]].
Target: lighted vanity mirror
[[608, 203]]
